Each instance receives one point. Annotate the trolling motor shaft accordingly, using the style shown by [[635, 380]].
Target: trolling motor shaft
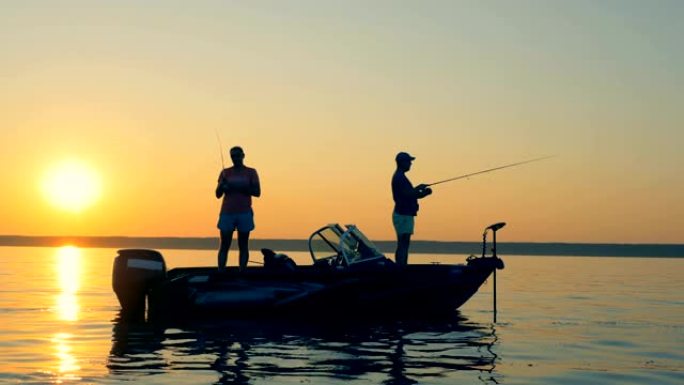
[[494, 228]]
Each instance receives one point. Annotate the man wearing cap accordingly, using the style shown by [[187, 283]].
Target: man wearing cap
[[405, 205]]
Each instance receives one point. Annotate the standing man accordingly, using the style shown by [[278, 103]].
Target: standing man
[[405, 205], [237, 185]]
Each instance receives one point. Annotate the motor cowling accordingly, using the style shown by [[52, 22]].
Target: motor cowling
[[135, 273]]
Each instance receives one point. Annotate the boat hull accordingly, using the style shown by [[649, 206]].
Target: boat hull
[[414, 290]]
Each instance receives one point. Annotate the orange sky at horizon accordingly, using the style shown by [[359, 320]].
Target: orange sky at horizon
[[322, 96]]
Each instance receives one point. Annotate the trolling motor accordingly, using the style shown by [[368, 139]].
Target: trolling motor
[[499, 263], [495, 227]]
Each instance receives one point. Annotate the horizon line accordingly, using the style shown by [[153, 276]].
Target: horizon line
[[385, 246], [171, 237]]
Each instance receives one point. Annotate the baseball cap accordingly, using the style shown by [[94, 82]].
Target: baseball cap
[[404, 156]]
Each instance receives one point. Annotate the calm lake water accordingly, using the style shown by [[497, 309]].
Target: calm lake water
[[562, 320]]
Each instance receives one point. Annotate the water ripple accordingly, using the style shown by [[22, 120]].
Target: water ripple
[[240, 350]]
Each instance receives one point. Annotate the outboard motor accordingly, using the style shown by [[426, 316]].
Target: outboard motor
[[135, 272]]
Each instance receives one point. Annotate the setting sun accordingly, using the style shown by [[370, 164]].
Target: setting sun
[[71, 186]]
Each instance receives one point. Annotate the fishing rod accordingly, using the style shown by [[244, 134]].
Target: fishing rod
[[490, 170], [218, 137]]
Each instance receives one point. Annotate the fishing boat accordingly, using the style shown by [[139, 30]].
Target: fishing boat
[[348, 277]]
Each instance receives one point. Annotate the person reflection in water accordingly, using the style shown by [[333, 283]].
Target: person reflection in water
[[237, 185], [405, 205]]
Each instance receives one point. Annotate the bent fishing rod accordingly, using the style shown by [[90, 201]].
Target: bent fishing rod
[[490, 170]]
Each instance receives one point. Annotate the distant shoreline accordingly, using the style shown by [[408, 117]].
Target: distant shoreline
[[426, 247]]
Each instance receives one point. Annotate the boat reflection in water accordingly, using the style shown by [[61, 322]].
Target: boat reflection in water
[[251, 351]]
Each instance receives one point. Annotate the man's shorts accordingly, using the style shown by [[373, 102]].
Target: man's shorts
[[243, 222], [403, 224]]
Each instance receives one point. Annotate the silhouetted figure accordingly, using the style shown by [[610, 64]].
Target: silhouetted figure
[[237, 185], [405, 205]]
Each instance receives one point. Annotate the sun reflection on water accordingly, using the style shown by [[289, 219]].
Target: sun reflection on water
[[67, 364], [68, 274], [68, 269]]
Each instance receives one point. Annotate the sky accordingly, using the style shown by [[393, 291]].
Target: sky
[[321, 95]]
